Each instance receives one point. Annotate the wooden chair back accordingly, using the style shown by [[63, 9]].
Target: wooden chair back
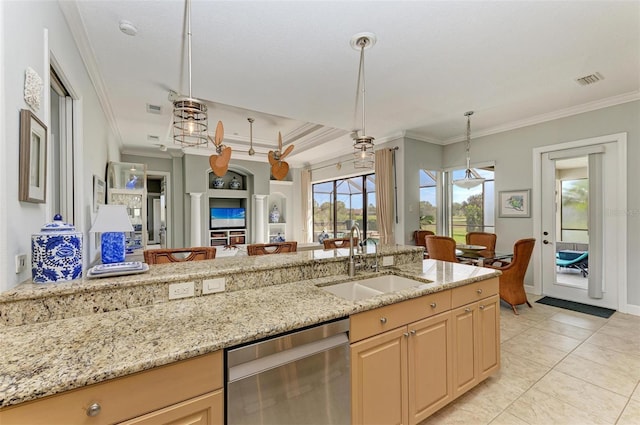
[[338, 243], [482, 239], [512, 278], [272, 248], [163, 256], [441, 248], [419, 235]]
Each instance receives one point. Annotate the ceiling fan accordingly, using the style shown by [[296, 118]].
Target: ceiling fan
[[220, 162], [279, 168]]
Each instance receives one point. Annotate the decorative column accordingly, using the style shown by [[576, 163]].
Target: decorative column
[[260, 218], [196, 219]]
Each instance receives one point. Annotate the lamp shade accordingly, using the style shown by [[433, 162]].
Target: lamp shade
[[112, 218]]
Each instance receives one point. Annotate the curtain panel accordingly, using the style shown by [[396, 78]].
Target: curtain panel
[[384, 195]]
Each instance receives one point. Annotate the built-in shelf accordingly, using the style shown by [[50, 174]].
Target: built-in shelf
[[223, 237]]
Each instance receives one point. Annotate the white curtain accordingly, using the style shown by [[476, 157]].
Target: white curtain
[[384, 195], [307, 206]]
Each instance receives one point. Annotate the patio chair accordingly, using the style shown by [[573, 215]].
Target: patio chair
[[574, 260], [164, 256]]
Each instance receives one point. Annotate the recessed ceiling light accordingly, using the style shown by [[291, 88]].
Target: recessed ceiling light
[[128, 28]]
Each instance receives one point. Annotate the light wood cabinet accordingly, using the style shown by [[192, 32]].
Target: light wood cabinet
[[412, 358], [183, 390]]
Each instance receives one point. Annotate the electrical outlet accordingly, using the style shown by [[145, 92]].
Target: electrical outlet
[[181, 290], [211, 286], [21, 263], [387, 260]]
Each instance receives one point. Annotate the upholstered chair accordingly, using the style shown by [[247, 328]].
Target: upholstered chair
[[512, 278], [482, 239], [272, 248], [418, 238], [441, 248], [162, 256]]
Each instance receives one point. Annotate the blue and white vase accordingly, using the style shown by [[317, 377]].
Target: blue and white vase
[[234, 184], [56, 252], [322, 236], [274, 214]]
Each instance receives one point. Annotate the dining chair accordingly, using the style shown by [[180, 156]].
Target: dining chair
[[164, 256], [418, 239], [338, 243], [512, 277], [272, 248], [485, 239], [441, 248]]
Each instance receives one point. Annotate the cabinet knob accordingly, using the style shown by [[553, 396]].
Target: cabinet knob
[[479, 291], [406, 334], [468, 310], [383, 320], [433, 305], [93, 410], [412, 331], [481, 307]]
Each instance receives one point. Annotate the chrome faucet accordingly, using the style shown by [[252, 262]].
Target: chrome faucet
[[352, 263]]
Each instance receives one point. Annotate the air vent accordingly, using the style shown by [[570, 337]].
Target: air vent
[[153, 138], [154, 109], [589, 79]]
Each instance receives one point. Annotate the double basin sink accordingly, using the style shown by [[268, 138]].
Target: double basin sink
[[357, 290]]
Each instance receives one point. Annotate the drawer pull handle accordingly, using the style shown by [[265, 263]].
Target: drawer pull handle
[[433, 305], [468, 310], [383, 320], [412, 331], [479, 291], [93, 410], [481, 307]]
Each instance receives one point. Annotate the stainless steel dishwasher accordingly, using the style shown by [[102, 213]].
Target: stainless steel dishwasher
[[297, 378]]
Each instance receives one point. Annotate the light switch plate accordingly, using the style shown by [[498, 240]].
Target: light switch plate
[[181, 290], [387, 260], [211, 286]]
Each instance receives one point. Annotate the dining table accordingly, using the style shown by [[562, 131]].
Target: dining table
[[480, 256]]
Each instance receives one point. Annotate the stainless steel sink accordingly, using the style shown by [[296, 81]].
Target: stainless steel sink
[[362, 289]]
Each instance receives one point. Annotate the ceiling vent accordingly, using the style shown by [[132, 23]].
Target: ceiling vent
[[153, 138], [154, 109], [589, 79]]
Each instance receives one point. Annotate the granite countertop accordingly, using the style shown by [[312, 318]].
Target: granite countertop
[[47, 358]]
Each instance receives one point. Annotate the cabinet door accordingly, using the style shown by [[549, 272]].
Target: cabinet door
[[379, 379], [207, 409], [465, 342], [488, 336], [430, 366]]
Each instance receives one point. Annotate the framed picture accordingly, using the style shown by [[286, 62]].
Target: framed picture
[[33, 158], [514, 203], [99, 192]]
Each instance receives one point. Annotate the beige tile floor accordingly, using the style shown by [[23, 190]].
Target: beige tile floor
[[558, 367]]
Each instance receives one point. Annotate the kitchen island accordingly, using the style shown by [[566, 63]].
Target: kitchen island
[[54, 338]]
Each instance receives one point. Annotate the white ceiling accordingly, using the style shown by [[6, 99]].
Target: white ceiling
[[513, 63]]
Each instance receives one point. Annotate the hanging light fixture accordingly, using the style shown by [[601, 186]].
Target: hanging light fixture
[[189, 114], [469, 180], [363, 155], [251, 150]]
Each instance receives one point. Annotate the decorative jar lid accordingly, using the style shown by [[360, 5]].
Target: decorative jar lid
[[58, 226]]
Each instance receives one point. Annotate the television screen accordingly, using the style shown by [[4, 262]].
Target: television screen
[[227, 217]]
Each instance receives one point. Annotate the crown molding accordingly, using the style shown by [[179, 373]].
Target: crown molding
[[76, 26], [550, 116], [422, 138]]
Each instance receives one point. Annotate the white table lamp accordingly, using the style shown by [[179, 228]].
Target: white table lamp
[[112, 221]]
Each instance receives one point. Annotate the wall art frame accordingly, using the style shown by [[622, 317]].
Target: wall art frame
[[514, 203], [33, 158], [99, 192]]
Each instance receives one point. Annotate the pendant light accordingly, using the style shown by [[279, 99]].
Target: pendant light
[[251, 150], [189, 114], [363, 155], [469, 180]]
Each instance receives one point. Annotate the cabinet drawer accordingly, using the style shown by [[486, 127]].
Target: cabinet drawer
[[373, 322], [124, 398], [473, 292]]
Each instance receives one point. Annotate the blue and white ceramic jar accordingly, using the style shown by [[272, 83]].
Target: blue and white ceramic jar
[[56, 252], [234, 184], [274, 214], [218, 183], [322, 236]]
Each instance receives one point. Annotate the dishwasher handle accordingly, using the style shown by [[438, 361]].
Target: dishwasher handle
[[272, 361]]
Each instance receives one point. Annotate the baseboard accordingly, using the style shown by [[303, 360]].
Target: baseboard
[[632, 309]]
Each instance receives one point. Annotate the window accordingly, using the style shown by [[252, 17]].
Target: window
[[472, 210], [573, 213], [428, 200], [338, 204]]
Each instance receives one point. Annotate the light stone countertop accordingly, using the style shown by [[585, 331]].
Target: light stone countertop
[[51, 357]]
